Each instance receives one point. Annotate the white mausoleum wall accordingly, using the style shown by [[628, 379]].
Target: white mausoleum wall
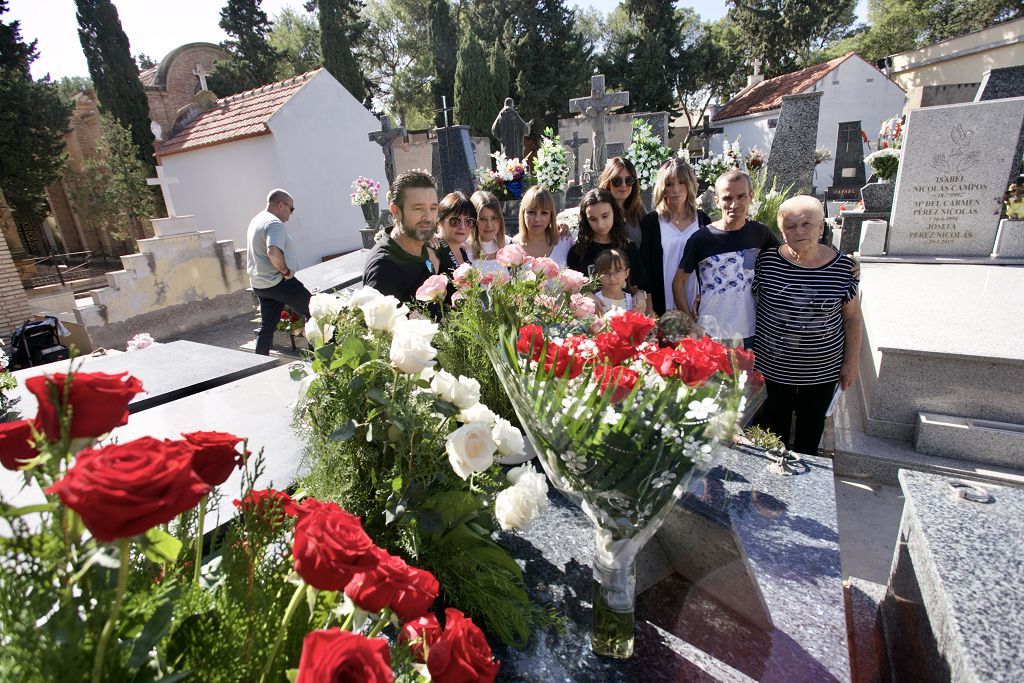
[[320, 137], [224, 186]]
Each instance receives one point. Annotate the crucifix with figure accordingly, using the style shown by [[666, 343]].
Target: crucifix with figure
[[384, 137], [574, 145], [164, 182], [706, 132], [595, 108]]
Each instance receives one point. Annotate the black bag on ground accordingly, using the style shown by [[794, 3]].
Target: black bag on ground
[[36, 342]]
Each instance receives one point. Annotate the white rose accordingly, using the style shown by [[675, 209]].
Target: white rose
[[417, 327], [478, 413], [526, 476], [470, 449], [509, 439], [517, 506], [363, 295], [464, 392], [324, 306], [317, 336], [411, 353], [383, 312]]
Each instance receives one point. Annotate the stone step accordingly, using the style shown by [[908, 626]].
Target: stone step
[[983, 441], [880, 459]]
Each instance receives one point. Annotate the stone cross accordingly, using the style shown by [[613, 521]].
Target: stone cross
[[201, 72], [164, 181], [574, 144], [384, 137], [596, 108], [444, 112], [705, 133]]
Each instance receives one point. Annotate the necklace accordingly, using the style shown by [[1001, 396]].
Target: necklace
[[682, 223]]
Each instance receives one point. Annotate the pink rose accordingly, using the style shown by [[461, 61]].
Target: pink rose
[[433, 289], [546, 267], [582, 306], [501, 277], [511, 255], [463, 275], [572, 280]]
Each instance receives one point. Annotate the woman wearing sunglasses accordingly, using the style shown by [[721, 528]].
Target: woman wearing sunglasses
[[456, 221], [619, 178]]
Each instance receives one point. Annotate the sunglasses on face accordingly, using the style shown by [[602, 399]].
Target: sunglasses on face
[[455, 220], [291, 209], [628, 180]]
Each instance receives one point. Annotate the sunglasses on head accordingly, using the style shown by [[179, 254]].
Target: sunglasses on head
[[455, 220], [628, 180]]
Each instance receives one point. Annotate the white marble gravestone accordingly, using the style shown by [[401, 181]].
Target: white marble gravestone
[[952, 177]]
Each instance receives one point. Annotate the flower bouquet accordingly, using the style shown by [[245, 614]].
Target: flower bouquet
[[364, 195], [620, 424], [551, 165], [290, 322], [412, 450], [755, 159], [103, 578], [646, 152], [710, 168], [507, 181]]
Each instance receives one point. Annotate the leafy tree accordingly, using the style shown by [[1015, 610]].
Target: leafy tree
[[340, 30], [33, 119], [950, 18], [252, 62], [441, 32], [69, 86], [711, 66], [110, 191], [395, 61], [144, 61], [114, 73], [296, 37], [782, 33], [474, 97], [497, 64]]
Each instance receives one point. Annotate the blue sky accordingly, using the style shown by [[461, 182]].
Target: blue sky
[[156, 27]]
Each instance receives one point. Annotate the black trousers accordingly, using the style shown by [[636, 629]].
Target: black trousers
[[291, 293], [809, 402]]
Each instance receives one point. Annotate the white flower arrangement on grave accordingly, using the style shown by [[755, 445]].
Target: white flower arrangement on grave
[[551, 166], [410, 449], [709, 169], [364, 191], [646, 152]]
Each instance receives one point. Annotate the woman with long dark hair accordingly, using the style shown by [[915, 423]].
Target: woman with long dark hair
[[619, 177], [601, 227]]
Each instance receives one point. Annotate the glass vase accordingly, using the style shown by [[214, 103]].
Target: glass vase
[[614, 603]]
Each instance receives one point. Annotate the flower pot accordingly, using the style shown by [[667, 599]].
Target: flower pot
[[515, 188], [878, 196], [369, 236], [371, 212]]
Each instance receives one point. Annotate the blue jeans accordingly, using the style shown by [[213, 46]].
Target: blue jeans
[[290, 293]]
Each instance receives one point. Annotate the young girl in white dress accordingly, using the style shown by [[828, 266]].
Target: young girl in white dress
[[612, 267]]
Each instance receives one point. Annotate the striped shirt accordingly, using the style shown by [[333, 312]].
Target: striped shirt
[[800, 336]]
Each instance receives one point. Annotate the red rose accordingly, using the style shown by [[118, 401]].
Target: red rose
[[342, 657], [631, 326], [565, 361], [15, 446], [531, 341], [215, 455], [419, 634], [665, 361], [617, 378], [408, 591], [99, 402], [614, 348], [696, 368], [743, 358], [125, 489], [270, 505], [330, 546], [461, 653], [713, 350], [284, 315]]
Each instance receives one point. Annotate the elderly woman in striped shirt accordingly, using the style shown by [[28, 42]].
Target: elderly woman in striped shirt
[[809, 329]]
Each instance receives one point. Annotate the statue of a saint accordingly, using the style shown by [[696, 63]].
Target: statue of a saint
[[510, 129]]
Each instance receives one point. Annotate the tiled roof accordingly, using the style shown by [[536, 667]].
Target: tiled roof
[[244, 115], [148, 77], [767, 95]]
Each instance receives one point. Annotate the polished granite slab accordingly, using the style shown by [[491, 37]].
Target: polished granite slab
[[788, 544], [168, 371], [337, 273], [955, 593]]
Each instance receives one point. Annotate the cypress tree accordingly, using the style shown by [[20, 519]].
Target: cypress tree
[[33, 118], [114, 73], [340, 29], [441, 32], [252, 62], [473, 92], [498, 63]]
